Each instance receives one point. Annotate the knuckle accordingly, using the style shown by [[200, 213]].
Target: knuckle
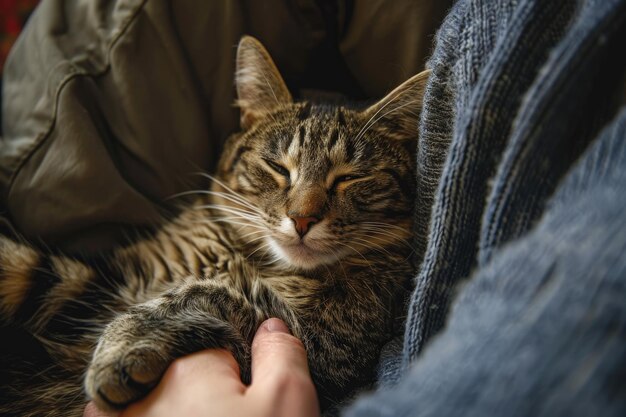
[[229, 360], [178, 369], [289, 381], [214, 360], [177, 372]]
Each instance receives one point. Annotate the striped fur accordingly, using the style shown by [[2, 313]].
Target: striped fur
[[234, 257]]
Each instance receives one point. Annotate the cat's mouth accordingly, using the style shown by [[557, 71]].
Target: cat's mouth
[[303, 254]]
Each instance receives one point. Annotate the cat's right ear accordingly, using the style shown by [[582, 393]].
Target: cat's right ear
[[260, 88]]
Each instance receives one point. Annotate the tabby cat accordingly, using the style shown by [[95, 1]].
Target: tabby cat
[[308, 219]]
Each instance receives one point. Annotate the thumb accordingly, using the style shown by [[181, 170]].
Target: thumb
[[276, 353], [280, 374]]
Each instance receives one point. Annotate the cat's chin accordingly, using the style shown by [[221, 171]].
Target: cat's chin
[[302, 256]]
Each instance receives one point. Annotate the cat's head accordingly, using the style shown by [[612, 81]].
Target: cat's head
[[314, 183]]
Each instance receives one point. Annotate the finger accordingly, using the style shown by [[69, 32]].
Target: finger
[[192, 382], [92, 411], [275, 350], [280, 372], [206, 367]]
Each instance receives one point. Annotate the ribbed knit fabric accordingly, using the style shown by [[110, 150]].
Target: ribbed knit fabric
[[528, 214]]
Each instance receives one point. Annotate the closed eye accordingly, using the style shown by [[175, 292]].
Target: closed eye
[[279, 169], [344, 179]]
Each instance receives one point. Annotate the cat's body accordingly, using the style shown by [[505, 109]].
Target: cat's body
[[308, 220]]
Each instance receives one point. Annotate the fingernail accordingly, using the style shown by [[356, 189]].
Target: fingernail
[[276, 326]]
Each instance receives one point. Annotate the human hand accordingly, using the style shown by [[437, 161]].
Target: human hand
[[207, 383]]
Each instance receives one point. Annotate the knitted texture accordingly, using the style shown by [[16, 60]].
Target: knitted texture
[[527, 210]]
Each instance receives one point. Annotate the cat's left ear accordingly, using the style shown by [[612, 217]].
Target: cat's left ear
[[260, 88], [398, 112]]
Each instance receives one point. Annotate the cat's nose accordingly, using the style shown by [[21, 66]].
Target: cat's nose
[[303, 224]]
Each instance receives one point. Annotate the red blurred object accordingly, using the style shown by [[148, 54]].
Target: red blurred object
[[13, 15]]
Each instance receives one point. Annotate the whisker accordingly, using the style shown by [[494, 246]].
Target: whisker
[[255, 232], [226, 187], [231, 210], [353, 249], [238, 197], [385, 114], [369, 242], [257, 238], [229, 221], [366, 127], [369, 264], [230, 197], [395, 237], [383, 224], [235, 199], [265, 245], [358, 135], [217, 219]]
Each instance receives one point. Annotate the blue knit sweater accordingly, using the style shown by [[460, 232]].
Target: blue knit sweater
[[520, 303]]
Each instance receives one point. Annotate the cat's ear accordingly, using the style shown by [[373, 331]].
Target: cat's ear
[[398, 112], [260, 88]]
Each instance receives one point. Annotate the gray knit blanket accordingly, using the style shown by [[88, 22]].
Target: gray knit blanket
[[519, 307]]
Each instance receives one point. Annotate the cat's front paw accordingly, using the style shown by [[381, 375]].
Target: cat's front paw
[[126, 365]]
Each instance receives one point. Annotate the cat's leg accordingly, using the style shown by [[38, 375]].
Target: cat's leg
[[62, 302], [136, 348], [55, 295], [35, 286], [17, 275]]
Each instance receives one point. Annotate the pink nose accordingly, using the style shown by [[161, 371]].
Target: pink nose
[[303, 224]]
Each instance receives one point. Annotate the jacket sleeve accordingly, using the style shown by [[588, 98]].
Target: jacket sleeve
[[103, 119]]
